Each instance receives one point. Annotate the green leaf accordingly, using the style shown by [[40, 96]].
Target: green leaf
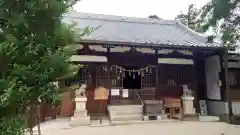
[[11, 38]]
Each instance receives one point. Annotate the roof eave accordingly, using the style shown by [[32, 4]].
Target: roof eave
[[150, 45]]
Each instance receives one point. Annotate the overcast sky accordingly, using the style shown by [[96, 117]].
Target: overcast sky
[[166, 9]]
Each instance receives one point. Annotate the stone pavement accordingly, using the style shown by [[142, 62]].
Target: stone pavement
[[155, 128]]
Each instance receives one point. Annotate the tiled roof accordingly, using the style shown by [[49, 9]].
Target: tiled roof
[[138, 30]]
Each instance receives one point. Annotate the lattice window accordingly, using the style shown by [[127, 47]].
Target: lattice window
[[102, 75], [149, 78], [234, 78], [116, 77], [80, 78], [175, 74]]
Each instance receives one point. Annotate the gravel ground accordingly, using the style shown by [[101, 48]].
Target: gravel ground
[[156, 128]]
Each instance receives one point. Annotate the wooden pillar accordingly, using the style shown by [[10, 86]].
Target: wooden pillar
[[222, 78], [227, 88], [109, 69], [196, 81], [156, 73]]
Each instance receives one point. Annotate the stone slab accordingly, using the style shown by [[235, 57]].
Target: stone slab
[[190, 98], [80, 113], [159, 117], [80, 99], [209, 118], [190, 117], [125, 117], [80, 121], [145, 118]]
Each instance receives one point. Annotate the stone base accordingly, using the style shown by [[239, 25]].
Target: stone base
[[159, 117], [80, 113], [80, 121], [208, 118], [145, 118], [190, 117], [235, 119]]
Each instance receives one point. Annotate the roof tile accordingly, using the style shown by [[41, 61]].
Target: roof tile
[[138, 30]]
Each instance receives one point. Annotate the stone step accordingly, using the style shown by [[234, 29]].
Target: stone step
[[209, 118], [125, 112], [80, 121], [135, 108], [80, 113], [126, 117]]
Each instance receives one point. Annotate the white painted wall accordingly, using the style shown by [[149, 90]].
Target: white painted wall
[[236, 107], [213, 68]]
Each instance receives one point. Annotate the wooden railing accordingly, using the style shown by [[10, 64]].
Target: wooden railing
[[139, 97]]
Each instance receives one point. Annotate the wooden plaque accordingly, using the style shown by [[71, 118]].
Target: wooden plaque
[[101, 93]]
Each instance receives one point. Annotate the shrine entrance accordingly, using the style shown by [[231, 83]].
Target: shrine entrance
[[132, 80], [96, 103]]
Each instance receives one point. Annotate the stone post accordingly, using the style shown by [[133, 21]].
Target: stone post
[[80, 117], [187, 99], [188, 108]]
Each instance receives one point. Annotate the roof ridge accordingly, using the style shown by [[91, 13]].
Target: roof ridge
[[190, 30], [195, 34], [90, 16]]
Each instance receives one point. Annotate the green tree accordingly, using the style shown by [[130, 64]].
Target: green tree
[[153, 17], [224, 17], [35, 47], [191, 19]]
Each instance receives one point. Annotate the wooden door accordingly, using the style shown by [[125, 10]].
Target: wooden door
[[148, 83], [97, 108]]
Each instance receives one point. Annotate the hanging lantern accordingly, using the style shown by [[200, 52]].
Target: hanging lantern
[[129, 73], [134, 76], [150, 70], [123, 74]]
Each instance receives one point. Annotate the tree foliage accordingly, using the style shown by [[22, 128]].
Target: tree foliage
[[224, 17], [153, 17], [35, 47], [191, 19]]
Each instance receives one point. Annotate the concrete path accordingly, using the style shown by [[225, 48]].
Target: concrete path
[[156, 128]]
